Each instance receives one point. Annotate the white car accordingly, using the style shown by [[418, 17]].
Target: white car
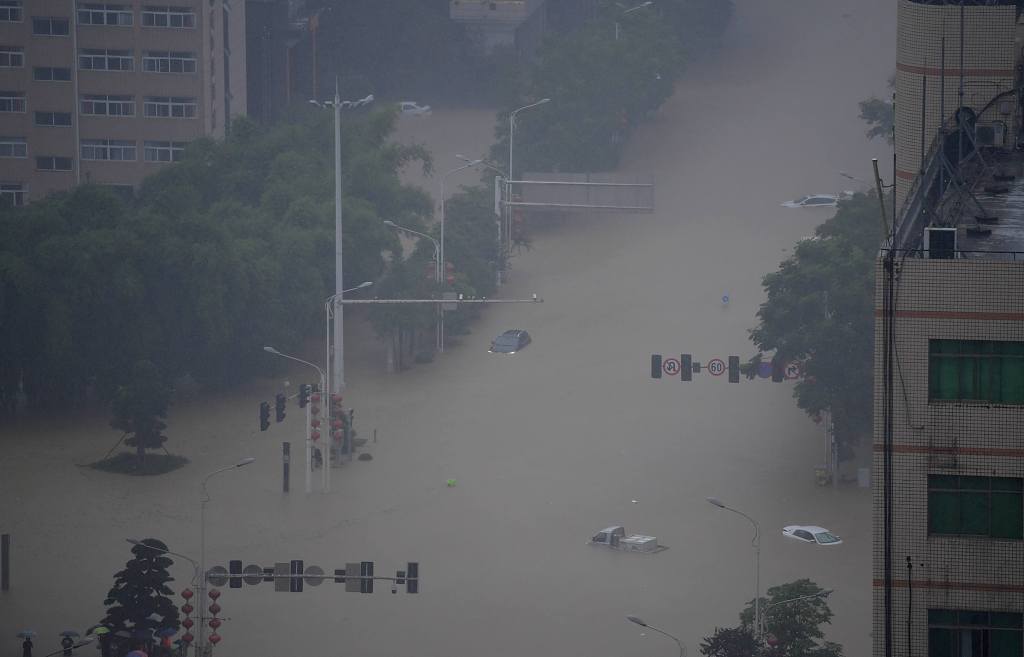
[[818, 200], [811, 534], [413, 108]]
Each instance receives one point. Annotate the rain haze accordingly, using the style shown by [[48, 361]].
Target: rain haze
[[493, 471]]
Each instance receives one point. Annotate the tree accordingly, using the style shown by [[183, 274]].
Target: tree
[[140, 407], [819, 312], [792, 628], [880, 115], [138, 601]]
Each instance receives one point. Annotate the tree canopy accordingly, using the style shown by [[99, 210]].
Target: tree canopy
[[139, 602], [819, 311]]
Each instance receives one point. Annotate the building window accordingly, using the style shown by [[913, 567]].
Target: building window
[[104, 15], [54, 119], [13, 147], [10, 11], [976, 506], [12, 57], [958, 633], [50, 26], [93, 105], [164, 151], [169, 62], [976, 370], [51, 74], [162, 107], [108, 149], [180, 17], [13, 193], [12, 101], [106, 60], [53, 163]]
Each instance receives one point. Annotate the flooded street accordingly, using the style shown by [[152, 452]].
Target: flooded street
[[547, 446]]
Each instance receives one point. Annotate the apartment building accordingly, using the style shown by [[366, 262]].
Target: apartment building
[[948, 470], [109, 92]]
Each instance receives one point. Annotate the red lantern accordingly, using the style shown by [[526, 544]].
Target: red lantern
[[187, 608], [214, 594], [335, 398], [315, 424], [214, 639], [215, 623], [187, 623], [187, 593], [315, 410], [450, 279], [315, 397], [337, 435], [215, 609], [187, 637], [314, 435]]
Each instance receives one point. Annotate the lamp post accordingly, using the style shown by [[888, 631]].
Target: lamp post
[[331, 312], [309, 446], [641, 623], [201, 588], [444, 177], [437, 271], [756, 542], [630, 10], [338, 369], [511, 171], [764, 615], [502, 176]]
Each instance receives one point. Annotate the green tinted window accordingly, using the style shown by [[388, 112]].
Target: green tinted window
[[978, 506], [976, 370]]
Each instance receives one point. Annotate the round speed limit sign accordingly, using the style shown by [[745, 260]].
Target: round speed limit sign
[[716, 367]]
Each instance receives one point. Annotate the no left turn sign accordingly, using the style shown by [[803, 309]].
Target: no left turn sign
[[716, 367], [671, 366]]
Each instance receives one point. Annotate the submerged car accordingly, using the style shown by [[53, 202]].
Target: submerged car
[[413, 108], [818, 200], [811, 534], [510, 342]]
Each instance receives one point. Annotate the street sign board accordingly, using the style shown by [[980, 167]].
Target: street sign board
[[716, 367], [670, 366], [793, 371]]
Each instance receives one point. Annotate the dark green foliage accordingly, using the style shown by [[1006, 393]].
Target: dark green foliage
[[880, 115], [792, 628], [819, 310], [140, 407], [224, 252], [139, 600], [600, 87]]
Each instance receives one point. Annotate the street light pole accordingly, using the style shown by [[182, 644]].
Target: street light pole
[[439, 341], [641, 623], [201, 588], [756, 542], [443, 262], [502, 176], [309, 444], [511, 172]]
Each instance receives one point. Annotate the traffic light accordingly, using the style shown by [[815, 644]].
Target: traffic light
[[366, 582], [280, 401], [734, 369], [686, 370], [235, 572], [412, 577], [655, 366], [295, 583], [305, 390], [264, 416]]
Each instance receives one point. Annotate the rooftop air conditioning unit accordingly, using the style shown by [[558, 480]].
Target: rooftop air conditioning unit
[[939, 243]]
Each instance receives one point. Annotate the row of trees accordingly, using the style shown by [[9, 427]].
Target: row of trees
[[222, 253]]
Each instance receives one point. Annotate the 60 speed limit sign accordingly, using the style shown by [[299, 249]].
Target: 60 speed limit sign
[[716, 367]]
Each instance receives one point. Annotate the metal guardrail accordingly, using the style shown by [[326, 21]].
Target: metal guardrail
[[959, 254]]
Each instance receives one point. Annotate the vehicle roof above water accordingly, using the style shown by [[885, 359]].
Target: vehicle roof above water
[[814, 529], [612, 529]]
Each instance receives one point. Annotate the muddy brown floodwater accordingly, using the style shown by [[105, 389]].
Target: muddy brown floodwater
[[547, 446]]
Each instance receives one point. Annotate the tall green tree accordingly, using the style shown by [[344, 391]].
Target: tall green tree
[[140, 600], [140, 408], [880, 115], [819, 311]]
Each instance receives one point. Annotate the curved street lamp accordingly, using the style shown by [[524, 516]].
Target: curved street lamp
[[756, 542], [641, 623]]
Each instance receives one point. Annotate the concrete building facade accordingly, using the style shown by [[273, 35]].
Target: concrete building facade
[[929, 53], [109, 92]]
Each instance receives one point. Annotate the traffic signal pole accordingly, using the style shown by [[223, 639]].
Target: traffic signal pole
[[309, 449]]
